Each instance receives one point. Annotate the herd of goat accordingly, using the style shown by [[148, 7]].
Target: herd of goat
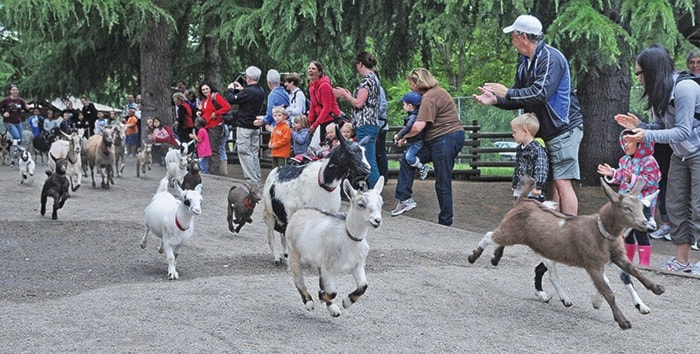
[[314, 232]]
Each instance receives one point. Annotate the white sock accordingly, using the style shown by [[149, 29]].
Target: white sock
[[418, 164]]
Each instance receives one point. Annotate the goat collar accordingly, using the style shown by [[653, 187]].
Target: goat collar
[[247, 203], [324, 185], [179, 226], [602, 230], [347, 232]]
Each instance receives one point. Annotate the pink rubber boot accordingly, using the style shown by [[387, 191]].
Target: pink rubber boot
[[644, 255], [631, 250]]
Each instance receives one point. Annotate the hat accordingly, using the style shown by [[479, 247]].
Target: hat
[[525, 24], [412, 98]]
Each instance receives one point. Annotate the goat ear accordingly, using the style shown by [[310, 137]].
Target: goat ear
[[379, 185], [349, 191], [198, 188], [638, 186], [609, 192], [646, 201]]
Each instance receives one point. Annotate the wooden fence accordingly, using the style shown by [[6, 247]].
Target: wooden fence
[[478, 152]]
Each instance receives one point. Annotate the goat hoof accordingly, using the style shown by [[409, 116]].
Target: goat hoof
[[309, 305], [624, 324], [472, 258], [567, 302], [172, 276], [658, 289], [495, 261]]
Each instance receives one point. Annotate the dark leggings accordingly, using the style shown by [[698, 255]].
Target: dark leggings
[[641, 237]]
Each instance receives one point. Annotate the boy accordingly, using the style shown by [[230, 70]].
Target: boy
[[530, 157], [100, 123], [36, 122], [638, 162], [411, 104], [280, 138]]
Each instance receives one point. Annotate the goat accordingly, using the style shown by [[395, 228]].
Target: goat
[[119, 137], [70, 150], [100, 152], [241, 204], [334, 244], [176, 165], [314, 185], [5, 143], [26, 166], [587, 241], [56, 186], [172, 220], [193, 176], [144, 158], [42, 144]]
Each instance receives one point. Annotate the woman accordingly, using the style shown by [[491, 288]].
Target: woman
[[184, 124], [692, 61], [444, 139], [323, 101], [89, 113], [673, 106], [297, 100], [365, 109], [163, 139], [212, 107], [11, 107]]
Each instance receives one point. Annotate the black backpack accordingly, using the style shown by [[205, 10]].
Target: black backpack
[[684, 75]]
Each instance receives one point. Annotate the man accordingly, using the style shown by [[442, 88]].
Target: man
[[277, 97], [249, 100], [89, 114], [543, 86]]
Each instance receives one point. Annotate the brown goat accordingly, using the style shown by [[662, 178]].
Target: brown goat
[[241, 204], [587, 241]]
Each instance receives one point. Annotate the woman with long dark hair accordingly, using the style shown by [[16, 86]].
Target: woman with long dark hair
[[212, 108], [323, 101], [673, 104]]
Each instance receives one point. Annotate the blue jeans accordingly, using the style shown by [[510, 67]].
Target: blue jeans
[[203, 167], [411, 151], [223, 155], [15, 130], [442, 151], [370, 150]]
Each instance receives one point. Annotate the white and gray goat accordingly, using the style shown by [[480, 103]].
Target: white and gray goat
[[587, 241], [334, 243], [172, 220], [144, 158], [314, 185], [119, 137], [69, 148], [99, 153], [26, 166], [176, 165]]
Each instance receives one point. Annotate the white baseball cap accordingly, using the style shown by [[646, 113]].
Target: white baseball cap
[[525, 24]]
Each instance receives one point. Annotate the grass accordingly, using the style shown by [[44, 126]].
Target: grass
[[485, 171]]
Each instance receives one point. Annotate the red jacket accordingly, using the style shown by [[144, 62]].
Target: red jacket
[[208, 108], [323, 102]]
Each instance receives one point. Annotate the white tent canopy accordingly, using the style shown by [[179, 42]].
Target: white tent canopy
[[60, 103]]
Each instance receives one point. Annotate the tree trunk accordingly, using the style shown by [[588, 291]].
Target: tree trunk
[[155, 74], [212, 58], [602, 97]]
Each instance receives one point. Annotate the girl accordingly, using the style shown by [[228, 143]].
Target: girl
[[203, 146]]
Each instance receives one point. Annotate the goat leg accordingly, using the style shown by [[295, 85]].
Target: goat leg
[[475, 255], [239, 227], [497, 254], [597, 276], [326, 282], [298, 277], [630, 269], [361, 281]]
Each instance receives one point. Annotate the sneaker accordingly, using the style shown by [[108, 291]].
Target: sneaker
[[676, 266], [424, 172], [663, 232], [406, 205]]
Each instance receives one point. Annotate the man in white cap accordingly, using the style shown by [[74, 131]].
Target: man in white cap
[[543, 86]]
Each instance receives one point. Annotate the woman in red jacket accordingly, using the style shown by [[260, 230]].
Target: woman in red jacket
[[323, 101], [212, 108]]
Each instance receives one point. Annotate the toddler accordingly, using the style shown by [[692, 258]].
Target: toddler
[[411, 104], [530, 157], [203, 146], [280, 138]]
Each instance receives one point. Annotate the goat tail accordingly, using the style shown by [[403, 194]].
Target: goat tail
[[163, 187]]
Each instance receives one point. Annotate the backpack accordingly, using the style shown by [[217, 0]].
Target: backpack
[[684, 75], [228, 117]]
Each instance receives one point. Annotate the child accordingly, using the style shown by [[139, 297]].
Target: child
[[203, 145], [280, 138], [347, 131], [637, 163], [83, 124], [411, 104], [36, 122], [100, 123], [132, 131], [530, 157], [300, 137]]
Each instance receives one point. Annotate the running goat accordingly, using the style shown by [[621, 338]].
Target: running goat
[[26, 166], [172, 220], [587, 241], [334, 243]]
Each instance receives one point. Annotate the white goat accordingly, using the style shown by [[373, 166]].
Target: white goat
[[587, 241], [176, 165], [70, 150], [334, 244], [314, 185], [26, 166], [172, 220]]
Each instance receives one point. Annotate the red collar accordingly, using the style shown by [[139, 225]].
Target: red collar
[[177, 223], [247, 203], [324, 185]]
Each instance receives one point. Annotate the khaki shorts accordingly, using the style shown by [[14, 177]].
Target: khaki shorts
[[563, 154]]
